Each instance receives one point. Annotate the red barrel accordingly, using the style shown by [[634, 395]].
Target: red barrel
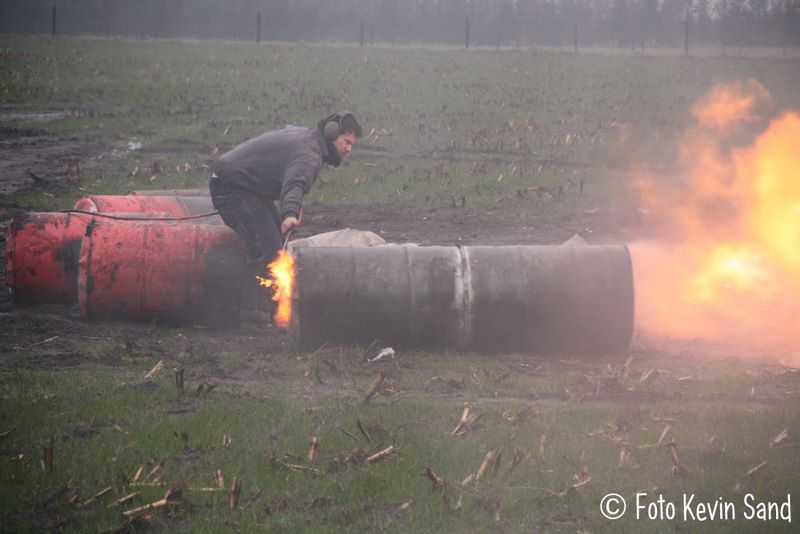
[[174, 205], [42, 256], [169, 271]]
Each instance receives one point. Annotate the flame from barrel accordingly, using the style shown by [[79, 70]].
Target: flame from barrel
[[281, 282]]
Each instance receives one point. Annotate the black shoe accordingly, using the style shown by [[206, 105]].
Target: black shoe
[[256, 322]]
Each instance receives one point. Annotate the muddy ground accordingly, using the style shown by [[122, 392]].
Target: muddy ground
[[31, 159]]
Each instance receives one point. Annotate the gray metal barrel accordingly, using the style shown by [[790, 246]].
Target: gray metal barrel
[[489, 299]]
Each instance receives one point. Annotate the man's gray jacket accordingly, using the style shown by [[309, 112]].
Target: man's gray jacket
[[280, 165]]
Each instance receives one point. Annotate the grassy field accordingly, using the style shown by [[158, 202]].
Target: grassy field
[[488, 126], [525, 134], [564, 432]]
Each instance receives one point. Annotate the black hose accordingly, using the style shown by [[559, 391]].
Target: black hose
[[117, 217]]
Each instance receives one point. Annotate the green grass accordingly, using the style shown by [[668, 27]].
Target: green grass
[[562, 416], [440, 123]]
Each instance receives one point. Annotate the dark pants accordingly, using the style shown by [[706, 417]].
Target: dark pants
[[256, 220]]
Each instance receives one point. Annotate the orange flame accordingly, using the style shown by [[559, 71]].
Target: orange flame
[[282, 285], [727, 104], [726, 264]]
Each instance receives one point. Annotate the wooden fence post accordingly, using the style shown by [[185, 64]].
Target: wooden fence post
[[686, 35], [47, 451], [179, 379], [575, 36]]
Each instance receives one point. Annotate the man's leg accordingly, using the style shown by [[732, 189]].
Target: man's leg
[[255, 220], [259, 219]]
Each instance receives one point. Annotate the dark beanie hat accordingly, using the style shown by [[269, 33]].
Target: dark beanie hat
[[350, 124]]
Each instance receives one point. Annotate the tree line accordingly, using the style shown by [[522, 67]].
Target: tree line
[[634, 23]]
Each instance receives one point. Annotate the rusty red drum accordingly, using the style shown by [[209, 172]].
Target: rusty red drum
[[175, 205], [41, 256], [168, 271]]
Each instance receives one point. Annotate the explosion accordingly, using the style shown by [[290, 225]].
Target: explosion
[[726, 264], [282, 285]]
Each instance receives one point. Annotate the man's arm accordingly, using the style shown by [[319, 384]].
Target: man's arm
[[300, 175]]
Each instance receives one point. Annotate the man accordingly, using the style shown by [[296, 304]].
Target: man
[[280, 165]]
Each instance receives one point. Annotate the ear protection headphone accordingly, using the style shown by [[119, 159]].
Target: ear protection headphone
[[333, 125]]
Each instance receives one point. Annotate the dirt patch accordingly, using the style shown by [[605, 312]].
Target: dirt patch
[[451, 226], [58, 360], [31, 159]]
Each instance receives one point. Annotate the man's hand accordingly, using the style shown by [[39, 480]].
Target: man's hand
[[289, 223]]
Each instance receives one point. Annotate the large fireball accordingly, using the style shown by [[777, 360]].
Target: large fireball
[[726, 263]]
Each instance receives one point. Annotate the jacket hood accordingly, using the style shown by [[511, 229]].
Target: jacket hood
[[329, 153]]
